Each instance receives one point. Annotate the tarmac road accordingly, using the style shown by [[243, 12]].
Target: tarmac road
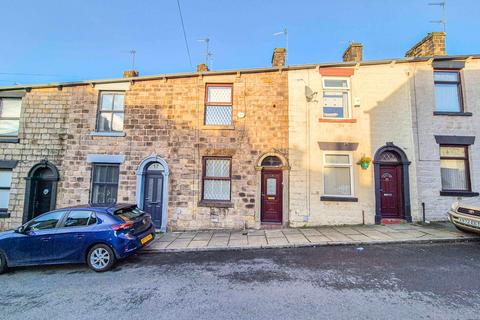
[[423, 281]]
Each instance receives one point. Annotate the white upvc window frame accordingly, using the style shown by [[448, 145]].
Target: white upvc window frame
[[339, 165], [348, 109]]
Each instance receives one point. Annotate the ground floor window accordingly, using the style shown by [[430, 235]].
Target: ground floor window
[[216, 178], [104, 183], [454, 168], [338, 174], [5, 183]]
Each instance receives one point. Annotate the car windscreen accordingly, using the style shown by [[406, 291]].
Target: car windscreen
[[129, 214]]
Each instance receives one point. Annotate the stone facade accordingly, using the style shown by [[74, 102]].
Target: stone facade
[[163, 117], [276, 111], [42, 135]]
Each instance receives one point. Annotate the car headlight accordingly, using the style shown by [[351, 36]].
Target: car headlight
[[454, 206]]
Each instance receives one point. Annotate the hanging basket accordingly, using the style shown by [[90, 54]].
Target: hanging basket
[[364, 162]]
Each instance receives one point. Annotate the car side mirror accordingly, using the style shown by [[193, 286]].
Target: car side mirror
[[21, 230]]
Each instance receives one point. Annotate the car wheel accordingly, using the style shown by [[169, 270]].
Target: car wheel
[[101, 258], [3, 264]]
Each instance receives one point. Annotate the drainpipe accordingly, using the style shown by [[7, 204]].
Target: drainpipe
[[423, 212]]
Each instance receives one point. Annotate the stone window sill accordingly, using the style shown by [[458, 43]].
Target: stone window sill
[[207, 127], [458, 114], [459, 194], [9, 139], [107, 134], [328, 120], [215, 204], [338, 199]]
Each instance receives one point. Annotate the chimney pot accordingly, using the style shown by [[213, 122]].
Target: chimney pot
[[130, 73], [202, 67], [432, 45], [279, 56], [354, 52]]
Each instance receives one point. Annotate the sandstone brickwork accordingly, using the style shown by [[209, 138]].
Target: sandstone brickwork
[[162, 117]]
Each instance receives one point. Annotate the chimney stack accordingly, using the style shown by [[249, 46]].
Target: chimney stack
[[279, 56], [130, 73], [202, 67], [354, 52], [432, 45]]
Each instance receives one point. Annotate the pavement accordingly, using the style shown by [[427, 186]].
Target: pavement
[[306, 237], [381, 281]]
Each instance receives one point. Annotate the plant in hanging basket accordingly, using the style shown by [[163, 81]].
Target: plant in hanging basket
[[364, 162]]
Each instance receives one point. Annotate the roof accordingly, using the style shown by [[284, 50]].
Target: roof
[[235, 71], [110, 207]]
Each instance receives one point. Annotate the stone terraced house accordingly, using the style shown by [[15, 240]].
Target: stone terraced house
[[251, 148]]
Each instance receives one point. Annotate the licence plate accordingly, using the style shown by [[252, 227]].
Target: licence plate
[[469, 222], [146, 239]]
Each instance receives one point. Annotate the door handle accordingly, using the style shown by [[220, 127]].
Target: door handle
[[80, 236], [46, 238]]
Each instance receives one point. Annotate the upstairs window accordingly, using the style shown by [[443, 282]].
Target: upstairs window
[[10, 116], [338, 175], [448, 91], [454, 168], [218, 105], [111, 112], [336, 97], [217, 178], [104, 183], [5, 183]]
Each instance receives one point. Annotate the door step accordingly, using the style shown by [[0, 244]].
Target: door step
[[271, 226], [392, 221]]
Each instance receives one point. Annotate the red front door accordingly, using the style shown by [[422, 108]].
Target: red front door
[[390, 192], [271, 196]]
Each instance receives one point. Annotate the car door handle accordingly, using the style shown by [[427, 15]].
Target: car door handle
[[80, 236], [46, 238]]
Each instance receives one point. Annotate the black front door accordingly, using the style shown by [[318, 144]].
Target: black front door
[[42, 197], [152, 197]]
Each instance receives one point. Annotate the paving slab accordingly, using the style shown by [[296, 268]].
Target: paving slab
[[277, 241], [203, 236], [310, 232], [198, 244], [329, 235], [318, 239]]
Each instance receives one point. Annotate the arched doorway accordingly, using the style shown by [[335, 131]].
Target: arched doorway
[[152, 189], [273, 188], [392, 191], [40, 190]]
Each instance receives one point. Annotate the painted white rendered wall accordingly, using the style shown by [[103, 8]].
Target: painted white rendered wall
[[427, 125], [383, 115]]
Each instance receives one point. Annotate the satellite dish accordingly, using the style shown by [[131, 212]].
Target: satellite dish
[[309, 93]]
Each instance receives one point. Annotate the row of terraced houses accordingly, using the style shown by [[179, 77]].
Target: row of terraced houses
[[353, 142]]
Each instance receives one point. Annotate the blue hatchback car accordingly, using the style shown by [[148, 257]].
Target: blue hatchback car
[[92, 234]]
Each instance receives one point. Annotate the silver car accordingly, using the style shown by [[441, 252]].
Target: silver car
[[465, 215]]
